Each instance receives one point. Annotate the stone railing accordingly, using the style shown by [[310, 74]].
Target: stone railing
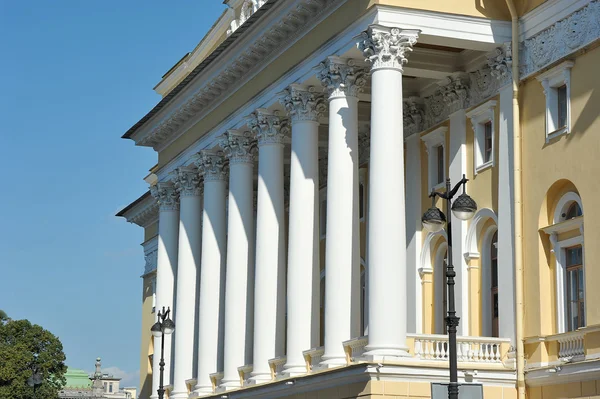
[[244, 372], [569, 344], [276, 366], [312, 357], [468, 349], [355, 348]]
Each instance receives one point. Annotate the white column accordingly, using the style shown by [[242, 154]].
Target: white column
[[166, 269], [304, 107], [506, 250], [239, 282], [212, 274], [386, 49], [269, 282], [413, 234], [458, 167], [344, 80], [188, 184]]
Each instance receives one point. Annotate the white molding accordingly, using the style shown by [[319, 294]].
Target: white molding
[[475, 227], [547, 14], [439, 282], [582, 371], [433, 139], [562, 203], [551, 80], [479, 117], [144, 213]]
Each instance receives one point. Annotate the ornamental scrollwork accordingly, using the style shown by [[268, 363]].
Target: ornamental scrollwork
[[303, 103], [167, 196], [387, 47], [211, 164], [268, 127], [342, 77], [187, 182], [500, 62], [239, 147]]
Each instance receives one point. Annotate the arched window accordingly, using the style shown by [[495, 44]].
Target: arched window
[[494, 283], [566, 238]]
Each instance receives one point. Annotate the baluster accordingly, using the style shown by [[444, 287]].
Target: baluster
[[417, 348], [470, 351], [427, 351], [459, 351], [444, 348]]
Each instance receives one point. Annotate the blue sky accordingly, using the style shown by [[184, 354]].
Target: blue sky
[[75, 76]]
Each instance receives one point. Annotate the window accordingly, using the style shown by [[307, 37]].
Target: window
[[487, 153], [482, 120], [557, 89], [440, 164], [575, 293], [110, 387], [494, 285], [435, 144], [573, 211], [567, 244], [562, 105]]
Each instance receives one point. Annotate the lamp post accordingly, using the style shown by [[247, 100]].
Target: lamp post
[[163, 326], [433, 219]]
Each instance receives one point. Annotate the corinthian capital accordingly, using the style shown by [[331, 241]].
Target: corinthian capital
[[238, 146], [269, 127], [342, 77], [187, 182], [386, 47], [303, 103], [500, 62], [167, 196], [211, 164]]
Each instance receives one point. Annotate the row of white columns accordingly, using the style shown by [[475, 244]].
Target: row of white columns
[[242, 293]]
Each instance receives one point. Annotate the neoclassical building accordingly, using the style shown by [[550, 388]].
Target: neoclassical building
[[297, 145]]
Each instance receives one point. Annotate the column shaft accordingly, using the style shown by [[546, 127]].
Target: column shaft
[[303, 260], [166, 269], [212, 279], [269, 292], [190, 243], [342, 257], [385, 49], [239, 282]]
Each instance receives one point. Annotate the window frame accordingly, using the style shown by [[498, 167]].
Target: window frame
[[432, 140], [480, 117], [551, 81], [568, 301]]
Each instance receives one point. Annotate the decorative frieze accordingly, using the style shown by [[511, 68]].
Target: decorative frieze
[[413, 115], [167, 196], [211, 165], [303, 103], [187, 182], [268, 127], [561, 39], [386, 47], [239, 147], [342, 77], [500, 62]]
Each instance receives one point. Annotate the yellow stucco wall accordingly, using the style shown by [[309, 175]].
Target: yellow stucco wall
[[146, 339], [525, 6], [582, 389], [151, 231], [493, 9], [549, 170]]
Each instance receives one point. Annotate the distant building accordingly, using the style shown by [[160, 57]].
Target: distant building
[[97, 386]]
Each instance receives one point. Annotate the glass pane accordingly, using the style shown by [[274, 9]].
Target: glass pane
[[580, 283], [495, 305], [574, 315], [582, 314], [574, 256], [573, 211], [562, 105], [494, 273], [572, 285], [440, 164], [487, 153]]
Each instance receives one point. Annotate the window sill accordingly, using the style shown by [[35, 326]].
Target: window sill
[[556, 133], [484, 166]]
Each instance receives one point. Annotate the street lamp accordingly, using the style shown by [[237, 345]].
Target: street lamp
[[35, 380], [164, 326], [464, 207]]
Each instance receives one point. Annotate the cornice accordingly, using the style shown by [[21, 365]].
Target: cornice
[[232, 71], [142, 212]]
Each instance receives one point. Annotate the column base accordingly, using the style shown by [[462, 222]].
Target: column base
[[294, 370], [204, 390], [179, 395], [230, 385], [378, 353], [329, 362], [259, 378]]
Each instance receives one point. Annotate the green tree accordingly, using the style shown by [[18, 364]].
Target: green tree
[[25, 348]]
